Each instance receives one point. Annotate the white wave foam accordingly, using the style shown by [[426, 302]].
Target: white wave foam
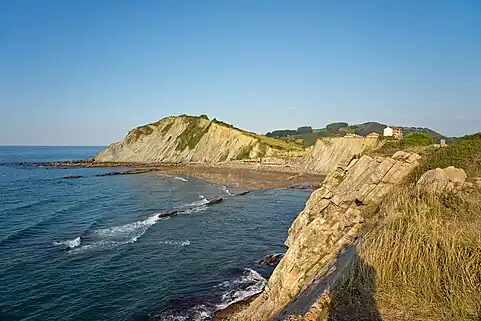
[[195, 206], [180, 179], [195, 209], [238, 289], [196, 313], [118, 235], [225, 189], [176, 243], [241, 288], [70, 243]]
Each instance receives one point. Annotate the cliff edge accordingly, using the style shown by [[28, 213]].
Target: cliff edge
[[193, 139], [330, 153], [334, 217]]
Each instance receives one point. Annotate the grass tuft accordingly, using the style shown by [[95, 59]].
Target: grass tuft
[[426, 256]]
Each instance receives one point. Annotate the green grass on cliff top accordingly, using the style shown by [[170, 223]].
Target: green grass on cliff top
[[194, 133], [272, 142]]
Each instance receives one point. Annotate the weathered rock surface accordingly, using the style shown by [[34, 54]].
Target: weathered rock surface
[[330, 153], [477, 181], [192, 139], [334, 217], [439, 180], [271, 259]]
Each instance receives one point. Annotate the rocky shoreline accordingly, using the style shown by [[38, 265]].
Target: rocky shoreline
[[235, 175]]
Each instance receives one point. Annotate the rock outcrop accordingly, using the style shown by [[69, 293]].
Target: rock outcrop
[[439, 180], [330, 153], [271, 259], [192, 139], [334, 217]]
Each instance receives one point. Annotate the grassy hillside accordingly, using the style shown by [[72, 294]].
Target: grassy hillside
[[423, 259], [307, 136], [269, 141], [194, 132]]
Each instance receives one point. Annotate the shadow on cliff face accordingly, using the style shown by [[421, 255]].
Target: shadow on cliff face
[[352, 298]]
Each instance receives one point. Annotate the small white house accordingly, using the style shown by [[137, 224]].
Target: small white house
[[388, 131]]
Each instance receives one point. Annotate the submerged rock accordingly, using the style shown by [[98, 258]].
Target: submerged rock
[[242, 193], [271, 259], [72, 176], [109, 174], [168, 213], [213, 201]]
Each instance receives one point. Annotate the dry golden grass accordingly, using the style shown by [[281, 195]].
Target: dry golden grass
[[422, 262]]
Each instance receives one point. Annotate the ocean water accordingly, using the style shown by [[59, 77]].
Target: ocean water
[[93, 249]]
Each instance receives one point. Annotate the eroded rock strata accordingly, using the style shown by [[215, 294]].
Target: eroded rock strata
[[334, 218]]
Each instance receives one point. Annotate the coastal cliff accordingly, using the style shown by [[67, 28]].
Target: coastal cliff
[[198, 139], [334, 217], [191, 139], [330, 153]]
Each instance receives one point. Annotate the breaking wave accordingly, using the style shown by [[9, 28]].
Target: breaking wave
[[118, 235], [180, 179], [197, 313], [128, 233], [195, 206], [69, 243], [233, 291], [241, 288], [176, 243], [226, 190]]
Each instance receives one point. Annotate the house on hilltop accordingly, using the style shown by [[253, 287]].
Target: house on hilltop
[[388, 132], [396, 132]]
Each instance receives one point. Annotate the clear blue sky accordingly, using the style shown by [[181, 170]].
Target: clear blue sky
[[86, 72]]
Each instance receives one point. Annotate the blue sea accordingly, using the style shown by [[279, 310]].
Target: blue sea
[[93, 248]]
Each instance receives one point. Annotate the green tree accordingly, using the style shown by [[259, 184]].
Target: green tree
[[334, 127], [304, 130], [417, 139]]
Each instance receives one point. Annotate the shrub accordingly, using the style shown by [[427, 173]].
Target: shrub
[[417, 139], [304, 130], [465, 153], [334, 127], [244, 152]]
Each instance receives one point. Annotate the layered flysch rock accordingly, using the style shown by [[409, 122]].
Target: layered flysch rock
[[334, 217], [192, 139], [329, 153]]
